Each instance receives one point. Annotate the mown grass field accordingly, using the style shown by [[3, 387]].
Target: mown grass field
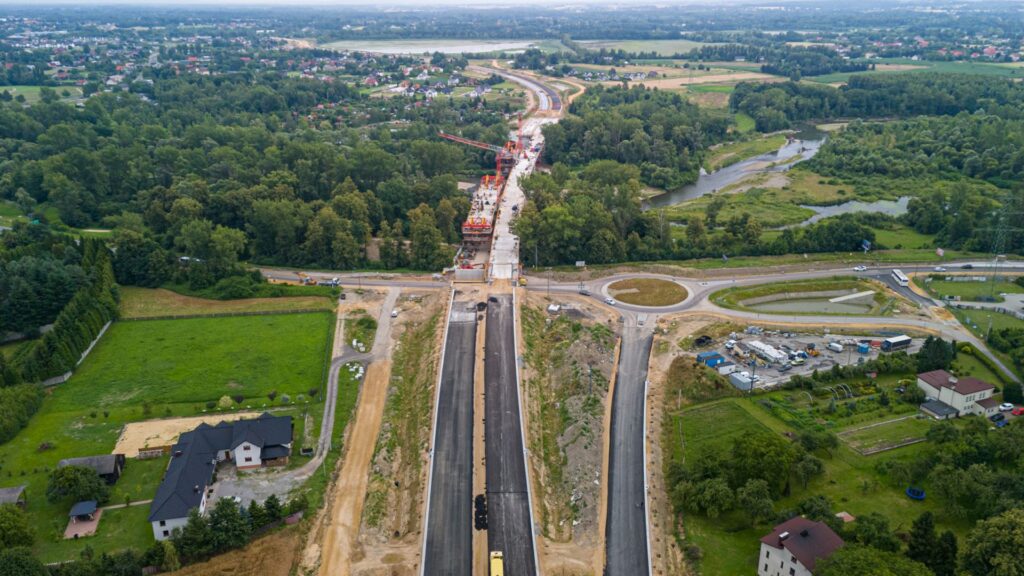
[[968, 290], [851, 482], [196, 360], [31, 93], [647, 292], [146, 303]]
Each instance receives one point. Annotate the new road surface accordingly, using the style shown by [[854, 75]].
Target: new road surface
[[509, 527], [626, 551], [448, 546]]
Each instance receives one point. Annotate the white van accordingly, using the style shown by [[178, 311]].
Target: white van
[[835, 346]]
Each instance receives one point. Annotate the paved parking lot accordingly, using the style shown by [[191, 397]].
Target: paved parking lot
[[744, 356]]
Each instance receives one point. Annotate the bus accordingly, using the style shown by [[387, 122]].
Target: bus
[[900, 278], [497, 564], [895, 343]]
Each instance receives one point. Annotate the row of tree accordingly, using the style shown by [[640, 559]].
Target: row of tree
[[782, 59]]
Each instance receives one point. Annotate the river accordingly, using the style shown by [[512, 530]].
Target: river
[[804, 145]]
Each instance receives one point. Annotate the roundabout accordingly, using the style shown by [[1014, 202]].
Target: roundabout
[[647, 292]]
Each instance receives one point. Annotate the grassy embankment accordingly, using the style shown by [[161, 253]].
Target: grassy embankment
[[565, 400], [734, 297]]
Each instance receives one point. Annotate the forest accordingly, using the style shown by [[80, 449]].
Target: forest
[[784, 60], [777, 106], [659, 132]]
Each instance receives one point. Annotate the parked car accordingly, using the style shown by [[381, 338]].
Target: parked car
[[860, 268], [997, 417], [1005, 407], [584, 292], [1018, 411]]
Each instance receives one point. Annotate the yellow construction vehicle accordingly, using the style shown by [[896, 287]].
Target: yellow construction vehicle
[[305, 280], [497, 564]]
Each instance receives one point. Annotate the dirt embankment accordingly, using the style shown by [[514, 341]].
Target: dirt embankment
[[392, 521], [569, 358], [276, 554]]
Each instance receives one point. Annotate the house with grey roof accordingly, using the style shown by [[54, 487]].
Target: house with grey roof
[[248, 444]]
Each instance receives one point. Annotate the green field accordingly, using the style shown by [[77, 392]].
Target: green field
[[31, 93], [662, 47], [979, 68], [191, 361], [885, 435], [899, 236], [968, 290]]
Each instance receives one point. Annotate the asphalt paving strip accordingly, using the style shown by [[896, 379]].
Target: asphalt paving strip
[[448, 547], [626, 546], [509, 522]]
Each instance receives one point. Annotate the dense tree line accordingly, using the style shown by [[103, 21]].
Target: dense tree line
[[1009, 341], [777, 106], [975, 145], [783, 60], [39, 273], [79, 322], [660, 132]]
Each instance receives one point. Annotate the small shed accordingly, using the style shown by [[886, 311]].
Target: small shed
[[740, 382], [83, 511], [14, 495]]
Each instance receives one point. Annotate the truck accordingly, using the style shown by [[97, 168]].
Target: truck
[[497, 564], [895, 343], [835, 346]]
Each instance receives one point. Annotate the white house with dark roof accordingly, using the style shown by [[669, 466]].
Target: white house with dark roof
[[265, 440], [960, 396], [794, 547]]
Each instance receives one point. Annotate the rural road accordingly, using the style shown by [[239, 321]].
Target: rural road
[[509, 523], [346, 507], [448, 544], [626, 546]]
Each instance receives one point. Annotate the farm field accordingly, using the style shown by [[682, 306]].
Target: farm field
[[147, 302], [661, 47], [891, 65]]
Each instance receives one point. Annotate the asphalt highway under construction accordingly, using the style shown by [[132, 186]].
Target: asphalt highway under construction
[[509, 522], [448, 545]]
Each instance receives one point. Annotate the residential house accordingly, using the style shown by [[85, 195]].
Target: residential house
[[962, 396], [794, 547], [108, 466], [263, 441]]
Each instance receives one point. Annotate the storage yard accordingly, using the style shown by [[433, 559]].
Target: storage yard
[[766, 359]]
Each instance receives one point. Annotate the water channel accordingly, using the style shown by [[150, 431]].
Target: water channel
[[804, 144]]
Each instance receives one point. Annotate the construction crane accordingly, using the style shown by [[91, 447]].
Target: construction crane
[[505, 156]]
